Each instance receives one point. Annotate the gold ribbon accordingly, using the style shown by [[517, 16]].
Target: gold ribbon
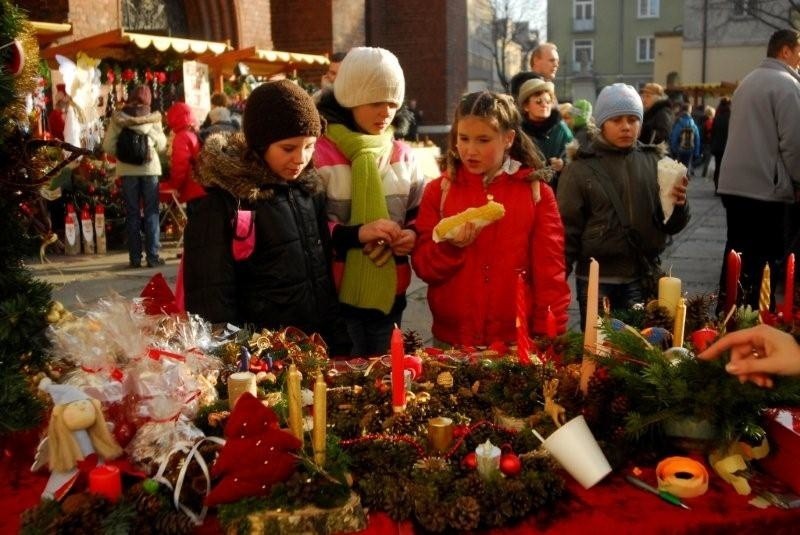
[[729, 463], [682, 476]]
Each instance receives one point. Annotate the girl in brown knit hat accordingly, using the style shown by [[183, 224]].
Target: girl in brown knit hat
[[257, 249]]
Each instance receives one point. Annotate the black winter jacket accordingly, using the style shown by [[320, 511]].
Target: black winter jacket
[[591, 226], [657, 123], [287, 280]]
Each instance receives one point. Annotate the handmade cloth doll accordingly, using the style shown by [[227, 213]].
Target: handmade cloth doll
[[77, 430]]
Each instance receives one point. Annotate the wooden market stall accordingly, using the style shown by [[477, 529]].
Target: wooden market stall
[[262, 62], [696, 93]]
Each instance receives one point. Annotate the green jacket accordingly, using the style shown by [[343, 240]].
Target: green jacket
[[592, 227]]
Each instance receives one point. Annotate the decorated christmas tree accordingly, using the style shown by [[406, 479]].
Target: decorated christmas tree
[[24, 302]]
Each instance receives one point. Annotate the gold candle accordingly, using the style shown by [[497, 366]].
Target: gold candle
[[440, 433], [238, 384], [680, 323], [320, 420], [763, 296], [294, 401]]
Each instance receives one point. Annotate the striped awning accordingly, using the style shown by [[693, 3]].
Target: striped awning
[[262, 62]]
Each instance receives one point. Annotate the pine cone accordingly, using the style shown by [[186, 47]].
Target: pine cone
[[518, 498], [698, 311], [411, 341], [657, 316], [432, 517], [620, 405], [465, 515], [145, 503], [397, 502], [173, 523]]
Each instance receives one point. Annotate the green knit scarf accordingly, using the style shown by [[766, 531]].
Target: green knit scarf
[[364, 284]]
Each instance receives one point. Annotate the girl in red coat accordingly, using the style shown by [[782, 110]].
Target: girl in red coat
[[185, 148], [472, 275]]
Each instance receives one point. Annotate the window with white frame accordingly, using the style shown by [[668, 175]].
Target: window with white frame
[[648, 9], [645, 49], [583, 9], [582, 54]]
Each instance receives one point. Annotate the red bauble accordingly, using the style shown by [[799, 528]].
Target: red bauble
[[702, 338], [17, 61], [123, 433], [414, 364], [510, 464], [470, 461]]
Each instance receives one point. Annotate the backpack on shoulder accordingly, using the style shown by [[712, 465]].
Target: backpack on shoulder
[[686, 138], [132, 147]]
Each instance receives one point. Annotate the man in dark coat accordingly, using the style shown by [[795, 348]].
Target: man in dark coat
[[658, 117]]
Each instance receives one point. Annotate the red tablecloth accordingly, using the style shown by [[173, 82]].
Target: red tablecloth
[[613, 506]]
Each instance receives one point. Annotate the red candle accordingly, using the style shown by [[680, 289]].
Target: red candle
[[550, 324], [788, 294], [523, 341], [398, 375], [105, 480], [732, 279]]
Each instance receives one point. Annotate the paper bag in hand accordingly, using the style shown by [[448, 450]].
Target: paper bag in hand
[[670, 173]]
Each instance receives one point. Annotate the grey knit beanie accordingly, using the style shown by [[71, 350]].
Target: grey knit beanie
[[615, 100]]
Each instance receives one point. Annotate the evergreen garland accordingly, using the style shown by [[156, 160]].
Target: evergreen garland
[[668, 387]]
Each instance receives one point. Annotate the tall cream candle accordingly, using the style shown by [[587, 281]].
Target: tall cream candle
[[669, 292], [588, 364], [680, 323], [294, 401], [320, 420]]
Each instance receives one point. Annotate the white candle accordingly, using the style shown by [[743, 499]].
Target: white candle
[[238, 384], [320, 420], [588, 364], [669, 292], [680, 323]]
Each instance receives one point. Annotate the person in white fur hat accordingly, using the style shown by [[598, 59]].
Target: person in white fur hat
[[616, 164], [374, 186]]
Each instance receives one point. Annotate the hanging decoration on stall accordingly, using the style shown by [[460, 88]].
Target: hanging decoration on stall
[[83, 126]]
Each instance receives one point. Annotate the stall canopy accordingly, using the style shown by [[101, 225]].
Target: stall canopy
[[263, 62], [698, 91], [117, 44], [47, 32]]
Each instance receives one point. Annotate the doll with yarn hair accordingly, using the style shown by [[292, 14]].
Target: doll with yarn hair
[[77, 430]]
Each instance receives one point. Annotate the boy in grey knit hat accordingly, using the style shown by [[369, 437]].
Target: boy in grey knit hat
[[609, 202]]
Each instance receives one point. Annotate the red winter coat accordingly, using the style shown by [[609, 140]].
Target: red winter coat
[[472, 290], [185, 148]]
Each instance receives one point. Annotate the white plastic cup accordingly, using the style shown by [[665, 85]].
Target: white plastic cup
[[575, 448]]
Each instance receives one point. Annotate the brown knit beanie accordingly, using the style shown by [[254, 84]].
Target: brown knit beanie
[[279, 110]]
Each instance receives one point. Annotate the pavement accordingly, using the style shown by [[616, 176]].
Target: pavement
[[695, 256]]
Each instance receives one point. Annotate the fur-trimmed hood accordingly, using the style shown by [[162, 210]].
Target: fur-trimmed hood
[[227, 163], [130, 121]]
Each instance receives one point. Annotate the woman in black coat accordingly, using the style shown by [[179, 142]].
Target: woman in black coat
[[719, 135]]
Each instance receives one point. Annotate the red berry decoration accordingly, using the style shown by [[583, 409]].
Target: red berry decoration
[[470, 461], [123, 433], [510, 464]]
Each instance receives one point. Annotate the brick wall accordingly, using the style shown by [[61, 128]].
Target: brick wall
[[90, 17], [256, 23], [45, 10], [429, 39], [302, 25]]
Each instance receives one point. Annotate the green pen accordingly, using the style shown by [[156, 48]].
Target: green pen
[[664, 495]]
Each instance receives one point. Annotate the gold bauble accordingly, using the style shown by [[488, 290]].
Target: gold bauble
[[445, 379]]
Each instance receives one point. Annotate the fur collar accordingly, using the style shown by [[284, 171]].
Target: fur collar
[[227, 163], [127, 121]]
